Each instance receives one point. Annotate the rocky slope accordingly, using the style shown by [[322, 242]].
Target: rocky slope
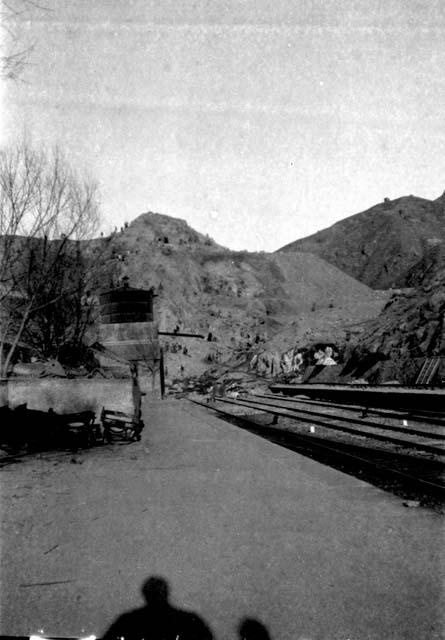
[[244, 303], [381, 245], [412, 324], [390, 347]]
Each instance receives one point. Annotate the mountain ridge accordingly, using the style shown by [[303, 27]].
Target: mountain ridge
[[379, 245]]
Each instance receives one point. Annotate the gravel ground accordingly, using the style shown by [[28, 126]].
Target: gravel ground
[[411, 461]]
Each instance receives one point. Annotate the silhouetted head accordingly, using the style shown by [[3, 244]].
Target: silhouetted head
[[155, 591], [251, 629]]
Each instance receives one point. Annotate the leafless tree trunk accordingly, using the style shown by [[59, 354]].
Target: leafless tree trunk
[[46, 211]]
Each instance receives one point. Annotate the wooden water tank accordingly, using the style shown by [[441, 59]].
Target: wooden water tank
[[126, 304], [126, 323]]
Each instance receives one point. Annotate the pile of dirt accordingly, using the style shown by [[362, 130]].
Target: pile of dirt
[[381, 245], [219, 382]]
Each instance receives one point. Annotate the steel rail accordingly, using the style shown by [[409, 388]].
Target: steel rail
[[286, 413], [39, 636], [362, 421], [308, 440], [417, 416], [382, 396]]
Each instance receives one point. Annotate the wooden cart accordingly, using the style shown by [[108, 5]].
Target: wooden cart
[[118, 425]]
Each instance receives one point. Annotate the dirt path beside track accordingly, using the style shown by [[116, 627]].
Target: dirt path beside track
[[237, 525]]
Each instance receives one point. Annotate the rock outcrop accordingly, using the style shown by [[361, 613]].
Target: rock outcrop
[[412, 325]]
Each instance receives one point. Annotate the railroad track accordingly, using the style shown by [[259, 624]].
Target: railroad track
[[423, 416], [424, 400], [431, 442], [406, 474], [436, 432]]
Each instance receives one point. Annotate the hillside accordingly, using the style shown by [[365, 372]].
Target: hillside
[[391, 346], [412, 324], [248, 302], [271, 313], [381, 245]]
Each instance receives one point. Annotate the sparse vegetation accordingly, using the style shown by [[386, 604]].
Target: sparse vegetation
[[46, 211]]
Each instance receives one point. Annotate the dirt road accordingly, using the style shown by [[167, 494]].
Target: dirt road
[[238, 526]]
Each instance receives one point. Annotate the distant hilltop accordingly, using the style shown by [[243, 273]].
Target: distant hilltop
[[381, 245], [162, 229]]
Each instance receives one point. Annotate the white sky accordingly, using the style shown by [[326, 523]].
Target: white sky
[[258, 122]]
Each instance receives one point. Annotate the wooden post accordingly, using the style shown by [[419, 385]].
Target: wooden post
[[161, 372], [136, 391]]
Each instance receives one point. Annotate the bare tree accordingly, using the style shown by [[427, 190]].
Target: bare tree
[[14, 50], [46, 212], [65, 305]]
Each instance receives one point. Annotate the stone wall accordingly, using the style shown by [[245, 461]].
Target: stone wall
[[71, 395]]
